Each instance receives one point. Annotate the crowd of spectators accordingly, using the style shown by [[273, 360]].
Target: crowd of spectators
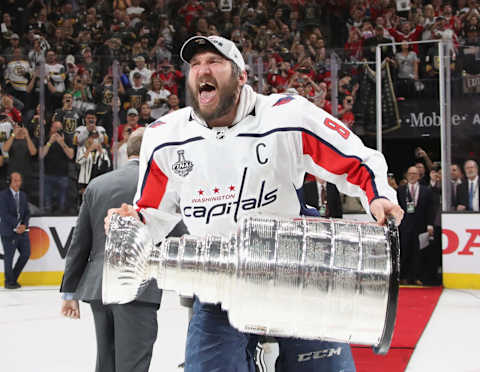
[[287, 44]]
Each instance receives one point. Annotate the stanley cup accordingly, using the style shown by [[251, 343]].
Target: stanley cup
[[311, 278]]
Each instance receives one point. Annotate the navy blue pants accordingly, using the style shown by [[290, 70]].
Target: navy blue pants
[[10, 245], [213, 345]]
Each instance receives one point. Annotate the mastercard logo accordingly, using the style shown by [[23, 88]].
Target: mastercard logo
[[39, 242]]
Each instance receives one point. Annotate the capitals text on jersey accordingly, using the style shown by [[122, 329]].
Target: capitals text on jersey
[[263, 199]]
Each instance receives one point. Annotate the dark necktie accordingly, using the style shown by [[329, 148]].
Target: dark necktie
[[470, 197], [323, 199], [17, 204]]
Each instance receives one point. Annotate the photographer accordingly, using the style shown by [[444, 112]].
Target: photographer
[[21, 150], [93, 160], [82, 133], [57, 154], [170, 77]]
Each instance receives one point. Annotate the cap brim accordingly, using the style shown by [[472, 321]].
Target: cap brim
[[191, 46]]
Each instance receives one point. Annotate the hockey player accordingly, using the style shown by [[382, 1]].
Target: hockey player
[[235, 153]]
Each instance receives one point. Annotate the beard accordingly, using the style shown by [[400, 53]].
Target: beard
[[227, 99]]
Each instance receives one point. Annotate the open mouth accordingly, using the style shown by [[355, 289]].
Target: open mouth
[[207, 92]]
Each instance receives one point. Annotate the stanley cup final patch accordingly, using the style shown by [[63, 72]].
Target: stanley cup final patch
[[182, 167]]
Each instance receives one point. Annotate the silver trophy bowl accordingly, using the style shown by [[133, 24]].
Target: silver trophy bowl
[[306, 277]]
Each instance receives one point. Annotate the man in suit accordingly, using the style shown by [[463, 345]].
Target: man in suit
[[416, 200], [467, 192], [433, 253], [324, 196], [125, 333], [456, 176], [14, 217]]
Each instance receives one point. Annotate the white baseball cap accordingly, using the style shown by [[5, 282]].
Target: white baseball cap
[[225, 47]]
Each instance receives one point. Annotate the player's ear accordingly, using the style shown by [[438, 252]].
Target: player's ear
[[242, 79]]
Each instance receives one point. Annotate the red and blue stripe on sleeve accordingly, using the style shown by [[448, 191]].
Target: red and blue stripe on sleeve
[[331, 159]]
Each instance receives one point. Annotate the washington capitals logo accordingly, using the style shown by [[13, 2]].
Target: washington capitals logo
[[283, 101], [182, 167]]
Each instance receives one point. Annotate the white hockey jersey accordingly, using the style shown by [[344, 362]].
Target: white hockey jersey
[[18, 73], [213, 177]]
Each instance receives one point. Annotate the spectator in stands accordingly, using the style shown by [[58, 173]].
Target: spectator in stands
[[21, 150], [170, 76], [280, 75], [88, 63], [14, 44], [71, 71], [157, 98], [404, 30], [467, 60], [83, 132], [33, 88], [354, 45], [36, 55], [56, 77], [428, 22], [423, 162], [141, 68], [370, 44], [456, 176], [137, 93], [416, 200], [173, 103], [7, 107], [6, 27], [17, 75], [32, 123], [407, 71], [57, 154], [81, 93], [68, 115], [130, 126], [467, 192], [422, 175], [160, 52], [345, 113], [93, 160], [145, 116]]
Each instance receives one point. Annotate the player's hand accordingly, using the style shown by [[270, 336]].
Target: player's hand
[[381, 208], [125, 210], [70, 309]]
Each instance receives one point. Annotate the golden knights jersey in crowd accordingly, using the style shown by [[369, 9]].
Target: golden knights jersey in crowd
[[71, 119]]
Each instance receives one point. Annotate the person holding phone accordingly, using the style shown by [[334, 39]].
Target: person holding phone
[[57, 154]]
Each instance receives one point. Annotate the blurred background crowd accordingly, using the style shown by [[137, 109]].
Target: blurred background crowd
[[78, 76]]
